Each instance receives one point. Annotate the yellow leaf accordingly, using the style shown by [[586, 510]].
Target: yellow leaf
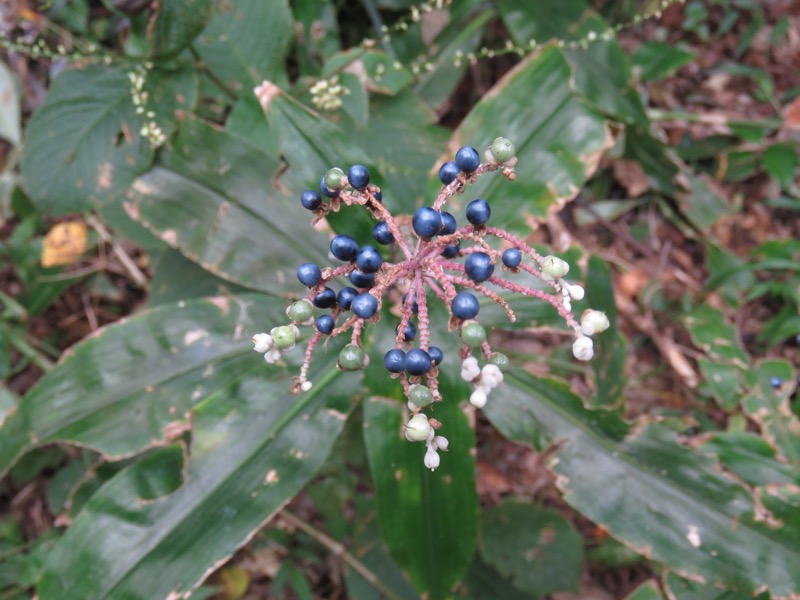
[[235, 582], [64, 244]]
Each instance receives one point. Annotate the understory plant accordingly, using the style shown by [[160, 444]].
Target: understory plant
[[391, 319]]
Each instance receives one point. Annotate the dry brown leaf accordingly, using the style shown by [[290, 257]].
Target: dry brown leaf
[[64, 243], [632, 177]]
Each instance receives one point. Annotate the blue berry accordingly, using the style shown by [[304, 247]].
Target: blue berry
[[345, 297], [468, 159], [478, 212], [426, 222], [409, 333], [776, 382], [465, 306], [344, 247], [395, 361], [325, 324], [418, 362], [479, 266], [452, 250], [512, 258], [310, 200], [448, 172], [414, 305], [358, 176], [323, 187], [364, 305], [362, 280], [309, 274], [368, 259], [378, 196], [325, 299], [449, 224], [436, 354], [382, 234]]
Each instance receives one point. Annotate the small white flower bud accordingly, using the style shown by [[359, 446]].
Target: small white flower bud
[[418, 428], [272, 356], [478, 398], [554, 267], [262, 341], [566, 303], [470, 369], [593, 321], [431, 459], [441, 442], [306, 386], [582, 348], [491, 376], [576, 292]]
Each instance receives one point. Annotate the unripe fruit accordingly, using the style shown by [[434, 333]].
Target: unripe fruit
[[351, 358], [420, 395], [418, 428], [502, 149], [300, 311], [473, 334]]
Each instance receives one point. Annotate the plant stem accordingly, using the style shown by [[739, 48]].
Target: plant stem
[[28, 351], [338, 549], [377, 23]]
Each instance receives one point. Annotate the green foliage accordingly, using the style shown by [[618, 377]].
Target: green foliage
[[191, 446]]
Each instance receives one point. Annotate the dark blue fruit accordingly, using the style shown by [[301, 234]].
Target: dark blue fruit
[[465, 306], [368, 259], [418, 362], [325, 299], [309, 274], [362, 280], [436, 354], [358, 176], [310, 200], [452, 250], [426, 222], [381, 233], [395, 361], [478, 212], [479, 266], [344, 247], [449, 224], [345, 297], [364, 305], [325, 324], [448, 172], [468, 159], [512, 258]]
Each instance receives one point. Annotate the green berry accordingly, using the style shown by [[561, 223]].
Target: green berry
[[351, 358], [418, 428], [502, 149], [554, 267], [500, 360], [420, 395], [300, 311], [284, 337], [473, 334], [334, 178]]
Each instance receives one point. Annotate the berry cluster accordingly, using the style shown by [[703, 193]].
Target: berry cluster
[[421, 259]]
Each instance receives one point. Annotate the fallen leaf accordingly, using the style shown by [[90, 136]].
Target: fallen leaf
[[64, 243]]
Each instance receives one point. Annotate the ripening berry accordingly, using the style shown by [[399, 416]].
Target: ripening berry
[[420, 395], [300, 311], [502, 149], [326, 190], [344, 247], [426, 222], [365, 305], [345, 297], [473, 334], [309, 274], [361, 280], [500, 360], [325, 299], [479, 266], [351, 358], [395, 361], [368, 259], [358, 176], [478, 212], [465, 306], [512, 258], [334, 178], [436, 354], [310, 200], [418, 362], [468, 159], [325, 324], [448, 172], [382, 234]]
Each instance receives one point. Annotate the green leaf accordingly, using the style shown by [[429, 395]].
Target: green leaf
[[750, 457], [536, 547], [602, 75], [83, 146], [770, 408], [174, 24], [247, 43], [781, 162], [681, 588], [649, 590], [375, 67], [559, 143], [429, 520], [658, 60], [703, 204], [482, 582], [658, 496], [134, 385], [253, 447], [212, 198]]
